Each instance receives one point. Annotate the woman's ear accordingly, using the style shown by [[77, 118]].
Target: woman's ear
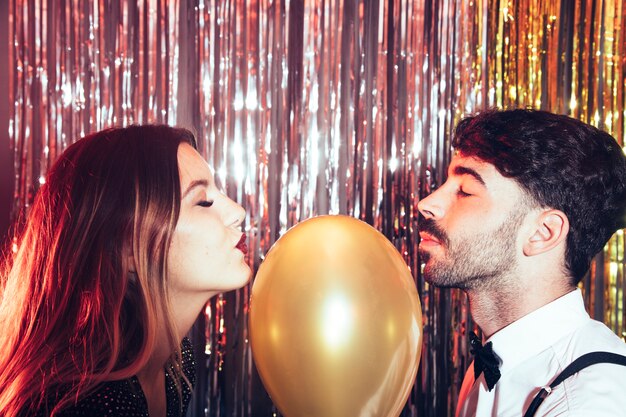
[[130, 258], [131, 264], [550, 230]]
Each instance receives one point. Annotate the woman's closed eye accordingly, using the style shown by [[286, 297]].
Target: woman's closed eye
[[205, 203]]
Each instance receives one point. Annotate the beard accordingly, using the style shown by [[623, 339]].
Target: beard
[[471, 262]]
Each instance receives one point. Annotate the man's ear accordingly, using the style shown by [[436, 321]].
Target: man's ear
[[550, 230]]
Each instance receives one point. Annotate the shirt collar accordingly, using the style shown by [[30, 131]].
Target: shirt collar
[[538, 330]]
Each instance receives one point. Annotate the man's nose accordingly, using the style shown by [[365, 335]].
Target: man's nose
[[431, 206]]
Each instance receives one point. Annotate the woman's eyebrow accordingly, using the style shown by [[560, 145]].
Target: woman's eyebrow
[[194, 184]]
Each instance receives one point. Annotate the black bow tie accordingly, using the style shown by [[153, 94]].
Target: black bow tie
[[485, 360]]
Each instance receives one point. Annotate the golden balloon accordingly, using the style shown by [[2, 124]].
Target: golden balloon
[[335, 321]]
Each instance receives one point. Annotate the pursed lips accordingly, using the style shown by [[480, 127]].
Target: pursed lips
[[241, 245], [426, 239]]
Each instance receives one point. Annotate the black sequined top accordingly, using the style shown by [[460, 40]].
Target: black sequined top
[[125, 398]]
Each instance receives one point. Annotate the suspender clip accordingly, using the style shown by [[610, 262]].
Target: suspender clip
[[580, 363]]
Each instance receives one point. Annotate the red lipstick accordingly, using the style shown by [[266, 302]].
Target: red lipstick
[[241, 245]]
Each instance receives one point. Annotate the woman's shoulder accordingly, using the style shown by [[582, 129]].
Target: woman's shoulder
[[113, 398], [188, 361], [125, 397]]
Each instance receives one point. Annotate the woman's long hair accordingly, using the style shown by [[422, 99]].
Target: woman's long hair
[[71, 313]]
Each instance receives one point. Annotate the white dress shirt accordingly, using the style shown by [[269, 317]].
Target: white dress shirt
[[534, 350]]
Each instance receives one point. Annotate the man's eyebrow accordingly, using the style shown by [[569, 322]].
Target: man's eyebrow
[[461, 170], [194, 184]]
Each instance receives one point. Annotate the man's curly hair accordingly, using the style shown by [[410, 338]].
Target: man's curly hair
[[562, 163]]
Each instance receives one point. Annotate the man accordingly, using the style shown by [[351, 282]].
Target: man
[[529, 200]]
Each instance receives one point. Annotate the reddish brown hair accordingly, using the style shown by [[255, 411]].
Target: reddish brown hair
[[71, 313]]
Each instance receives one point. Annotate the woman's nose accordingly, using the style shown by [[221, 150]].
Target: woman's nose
[[234, 213]]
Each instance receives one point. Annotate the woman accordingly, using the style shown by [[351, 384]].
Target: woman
[[125, 243]]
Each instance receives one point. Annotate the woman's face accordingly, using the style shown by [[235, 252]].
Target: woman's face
[[207, 253]]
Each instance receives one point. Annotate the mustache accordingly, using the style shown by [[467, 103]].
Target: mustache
[[430, 226]]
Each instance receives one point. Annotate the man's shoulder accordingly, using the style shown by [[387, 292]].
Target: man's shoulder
[[598, 388], [595, 336]]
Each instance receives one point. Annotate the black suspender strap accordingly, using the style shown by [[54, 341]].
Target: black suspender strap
[[574, 367]]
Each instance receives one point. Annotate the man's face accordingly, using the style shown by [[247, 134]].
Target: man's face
[[469, 234]]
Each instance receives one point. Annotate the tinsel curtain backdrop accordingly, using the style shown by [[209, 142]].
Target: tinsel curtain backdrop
[[313, 107]]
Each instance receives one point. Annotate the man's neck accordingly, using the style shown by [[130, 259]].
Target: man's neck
[[495, 309]]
